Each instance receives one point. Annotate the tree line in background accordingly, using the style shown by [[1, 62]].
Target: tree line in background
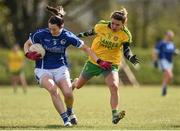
[[147, 19]]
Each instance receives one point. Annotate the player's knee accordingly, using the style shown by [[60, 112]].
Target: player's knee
[[78, 87], [53, 90], [76, 84], [68, 95], [114, 87], [171, 76]]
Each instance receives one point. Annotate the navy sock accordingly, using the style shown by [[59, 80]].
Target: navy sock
[[164, 90], [64, 116], [69, 111]]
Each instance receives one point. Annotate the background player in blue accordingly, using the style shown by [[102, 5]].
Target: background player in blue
[[52, 71], [163, 58]]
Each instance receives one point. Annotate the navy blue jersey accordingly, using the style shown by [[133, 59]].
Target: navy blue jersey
[[165, 50], [55, 47]]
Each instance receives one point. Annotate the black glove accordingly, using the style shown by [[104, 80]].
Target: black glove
[[155, 64], [80, 35], [133, 59]]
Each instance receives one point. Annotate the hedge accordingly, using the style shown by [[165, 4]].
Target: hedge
[[147, 74]]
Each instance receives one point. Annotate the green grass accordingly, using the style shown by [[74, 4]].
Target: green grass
[[145, 109]]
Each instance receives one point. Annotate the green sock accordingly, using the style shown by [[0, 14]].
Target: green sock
[[114, 112]]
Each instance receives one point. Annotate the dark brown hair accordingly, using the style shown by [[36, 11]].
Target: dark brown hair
[[120, 15], [57, 15]]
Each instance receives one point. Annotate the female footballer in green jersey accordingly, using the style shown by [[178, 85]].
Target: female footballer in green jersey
[[112, 39]]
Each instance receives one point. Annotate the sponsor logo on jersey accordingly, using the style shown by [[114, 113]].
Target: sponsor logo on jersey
[[46, 40], [54, 42], [115, 38], [63, 41]]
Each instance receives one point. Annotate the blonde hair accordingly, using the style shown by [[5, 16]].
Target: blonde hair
[[124, 11], [169, 32]]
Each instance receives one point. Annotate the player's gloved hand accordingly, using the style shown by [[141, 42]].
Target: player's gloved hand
[[133, 59], [155, 64], [105, 65], [80, 35], [33, 55]]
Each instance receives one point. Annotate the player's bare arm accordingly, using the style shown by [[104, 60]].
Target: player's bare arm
[[27, 45]]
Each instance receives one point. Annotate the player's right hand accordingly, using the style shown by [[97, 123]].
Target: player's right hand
[[33, 55], [105, 65]]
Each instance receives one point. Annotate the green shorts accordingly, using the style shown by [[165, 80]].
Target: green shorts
[[91, 70]]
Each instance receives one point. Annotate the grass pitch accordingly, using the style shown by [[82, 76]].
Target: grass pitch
[[145, 109]]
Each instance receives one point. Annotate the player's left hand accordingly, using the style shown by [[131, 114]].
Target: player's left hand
[[134, 59]]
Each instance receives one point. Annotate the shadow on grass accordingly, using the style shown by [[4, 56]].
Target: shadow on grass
[[73, 127], [33, 127], [171, 127], [46, 127], [176, 126], [21, 127]]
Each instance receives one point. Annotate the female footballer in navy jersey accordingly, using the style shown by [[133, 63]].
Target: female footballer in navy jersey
[[52, 70], [163, 58]]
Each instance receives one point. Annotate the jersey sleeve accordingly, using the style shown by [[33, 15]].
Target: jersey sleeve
[[35, 37], [98, 26], [128, 36], [86, 34], [75, 41], [157, 47]]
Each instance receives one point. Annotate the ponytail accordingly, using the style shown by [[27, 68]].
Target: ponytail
[[58, 11], [57, 15]]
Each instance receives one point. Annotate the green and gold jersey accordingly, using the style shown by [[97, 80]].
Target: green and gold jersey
[[108, 45], [15, 61]]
